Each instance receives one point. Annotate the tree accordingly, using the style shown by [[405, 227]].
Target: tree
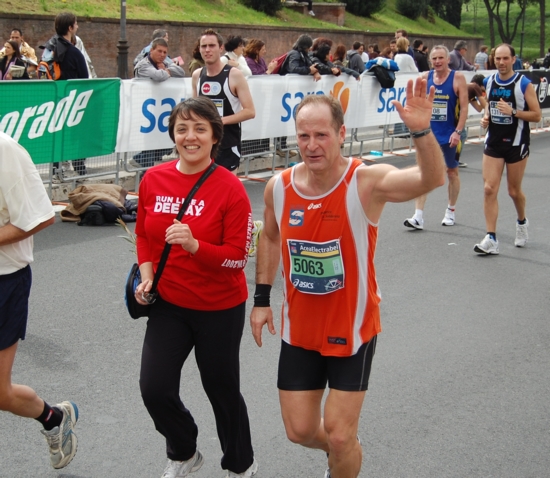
[[270, 7], [448, 10], [411, 8], [506, 22], [364, 8]]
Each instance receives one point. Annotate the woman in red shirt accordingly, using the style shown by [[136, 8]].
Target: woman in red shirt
[[201, 293]]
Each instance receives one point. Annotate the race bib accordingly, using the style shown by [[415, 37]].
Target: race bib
[[316, 267], [218, 103], [497, 116], [439, 111]]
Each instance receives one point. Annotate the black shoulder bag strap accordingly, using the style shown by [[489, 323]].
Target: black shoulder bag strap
[[184, 208]]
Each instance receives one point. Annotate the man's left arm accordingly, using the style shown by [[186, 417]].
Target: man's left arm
[[239, 87], [10, 234], [175, 70], [534, 114], [461, 89]]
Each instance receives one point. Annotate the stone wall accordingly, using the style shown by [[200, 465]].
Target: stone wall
[[100, 36]]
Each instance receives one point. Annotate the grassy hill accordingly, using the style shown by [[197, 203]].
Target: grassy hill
[[476, 22], [225, 11]]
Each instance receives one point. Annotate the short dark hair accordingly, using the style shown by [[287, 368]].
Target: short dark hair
[[403, 32], [63, 21], [17, 30], [417, 44], [356, 45], [158, 41], [232, 42], [478, 79], [393, 42], [337, 113], [201, 107], [15, 46], [510, 47], [212, 32], [159, 33]]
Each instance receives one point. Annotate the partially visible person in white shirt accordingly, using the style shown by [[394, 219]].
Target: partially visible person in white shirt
[[234, 48]]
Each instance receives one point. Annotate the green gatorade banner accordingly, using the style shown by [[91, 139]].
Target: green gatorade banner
[[61, 120]]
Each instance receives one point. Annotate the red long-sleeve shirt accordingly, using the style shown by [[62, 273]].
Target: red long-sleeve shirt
[[219, 217]]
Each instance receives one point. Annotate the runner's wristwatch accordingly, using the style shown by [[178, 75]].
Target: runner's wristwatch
[[514, 112]]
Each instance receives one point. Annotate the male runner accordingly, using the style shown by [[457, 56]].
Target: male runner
[[511, 105], [321, 216], [25, 209], [449, 116], [227, 88]]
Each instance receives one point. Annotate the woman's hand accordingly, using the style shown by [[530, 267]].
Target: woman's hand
[[179, 233], [271, 67], [143, 288]]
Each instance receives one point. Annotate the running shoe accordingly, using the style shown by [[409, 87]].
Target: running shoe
[[250, 472], [327, 473], [521, 234], [487, 246], [61, 439], [449, 219], [256, 230], [462, 165], [310, 13], [180, 469], [414, 223]]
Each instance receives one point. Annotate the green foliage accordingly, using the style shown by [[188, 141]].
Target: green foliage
[[365, 8], [411, 8], [448, 10], [269, 7]]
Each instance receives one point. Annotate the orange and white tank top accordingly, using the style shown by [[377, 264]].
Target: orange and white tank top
[[331, 297]]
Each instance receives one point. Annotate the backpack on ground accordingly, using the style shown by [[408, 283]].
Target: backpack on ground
[[385, 77], [280, 60], [48, 68]]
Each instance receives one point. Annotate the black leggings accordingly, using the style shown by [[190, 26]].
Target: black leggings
[[172, 332]]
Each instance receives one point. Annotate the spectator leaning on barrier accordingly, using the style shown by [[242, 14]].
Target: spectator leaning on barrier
[[481, 59], [457, 61], [339, 57], [156, 67], [234, 48], [420, 58], [158, 33], [404, 61], [320, 58], [254, 54], [354, 57]]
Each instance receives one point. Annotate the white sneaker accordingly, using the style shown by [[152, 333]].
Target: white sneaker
[[487, 246], [521, 234], [414, 223], [449, 219], [180, 469], [310, 13], [61, 440], [250, 472], [327, 473]]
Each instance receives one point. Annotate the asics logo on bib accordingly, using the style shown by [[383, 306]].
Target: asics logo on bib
[[68, 112], [315, 206], [302, 284]]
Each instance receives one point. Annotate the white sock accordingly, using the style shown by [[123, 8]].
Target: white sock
[[451, 208], [418, 214]]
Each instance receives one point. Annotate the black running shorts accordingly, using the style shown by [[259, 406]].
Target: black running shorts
[[14, 306], [301, 369], [510, 154], [229, 158]]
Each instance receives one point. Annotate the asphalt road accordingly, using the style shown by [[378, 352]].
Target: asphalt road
[[460, 385]]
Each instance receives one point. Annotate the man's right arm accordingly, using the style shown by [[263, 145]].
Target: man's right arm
[[267, 263], [195, 82]]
